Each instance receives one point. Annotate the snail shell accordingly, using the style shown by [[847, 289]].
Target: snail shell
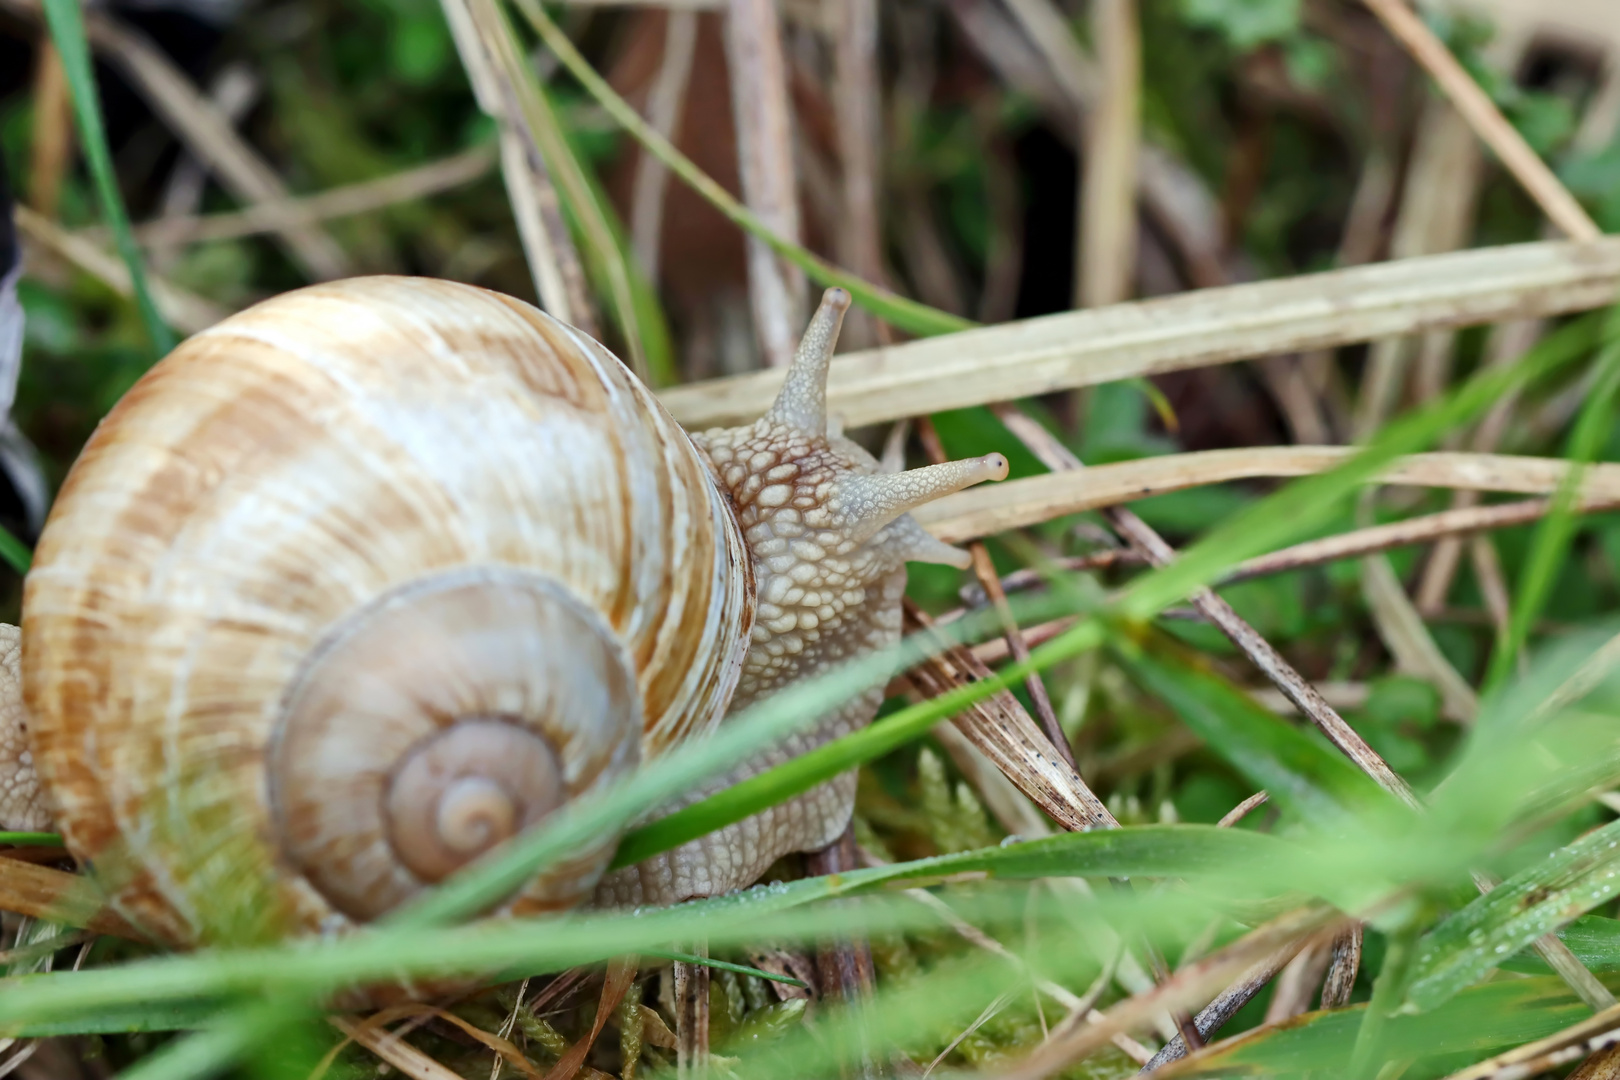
[[356, 584], [369, 578]]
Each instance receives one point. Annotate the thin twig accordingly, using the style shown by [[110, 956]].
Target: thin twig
[[184, 309], [338, 202], [985, 571], [1140, 536], [1212, 1017], [765, 157], [1242, 810], [1486, 120]]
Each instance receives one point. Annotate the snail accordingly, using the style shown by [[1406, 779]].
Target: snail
[[365, 580]]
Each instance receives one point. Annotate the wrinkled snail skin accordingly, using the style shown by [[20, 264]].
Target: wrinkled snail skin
[[22, 804], [370, 577], [830, 539]]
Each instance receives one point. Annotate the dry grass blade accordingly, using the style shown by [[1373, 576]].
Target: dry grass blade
[[184, 309], [857, 101], [1001, 1002], [985, 571], [346, 201], [1185, 988], [1210, 326], [691, 1015], [621, 974], [1298, 983], [1212, 1017], [393, 1049], [52, 148], [206, 133], [1106, 249], [665, 103], [1445, 523], [49, 894], [1016, 503], [765, 155], [1010, 806], [1006, 734], [1486, 120], [1408, 639], [1081, 1009], [496, 72]]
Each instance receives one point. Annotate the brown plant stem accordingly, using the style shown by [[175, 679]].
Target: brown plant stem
[[759, 95]]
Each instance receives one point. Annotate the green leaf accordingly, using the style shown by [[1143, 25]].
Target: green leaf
[[67, 31], [307, 970], [1472, 941]]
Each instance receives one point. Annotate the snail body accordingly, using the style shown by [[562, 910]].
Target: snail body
[[367, 579]]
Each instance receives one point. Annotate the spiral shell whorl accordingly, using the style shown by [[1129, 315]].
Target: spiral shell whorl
[[318, 461], [439, 720]]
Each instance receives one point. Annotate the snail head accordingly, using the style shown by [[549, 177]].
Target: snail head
[[826, 527]]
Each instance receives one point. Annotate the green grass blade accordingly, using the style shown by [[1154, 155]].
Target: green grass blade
[[67, 31], [1480, 1021], [305, 971], [726, 965], [1470, 942], [825, 762], [31, 839], [1594, 939], [908, 315], [1308, 504], [214, 1050], [15, 552], [1302, 773], [1556, 531]]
